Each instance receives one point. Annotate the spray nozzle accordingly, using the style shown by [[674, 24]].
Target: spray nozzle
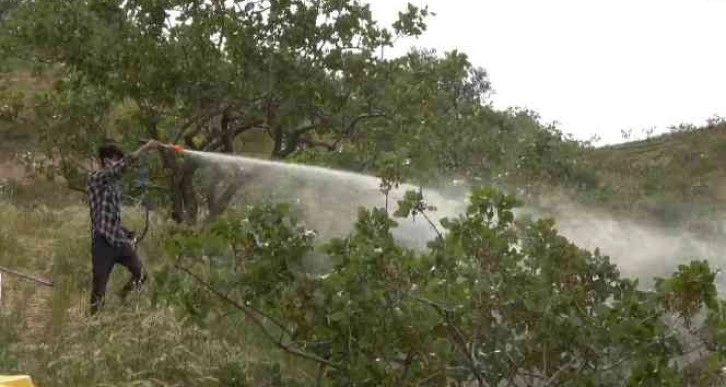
[[176, 148]]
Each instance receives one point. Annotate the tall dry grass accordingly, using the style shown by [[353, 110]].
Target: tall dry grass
[[46, 333]]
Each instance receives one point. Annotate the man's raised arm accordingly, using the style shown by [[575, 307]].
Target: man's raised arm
[[113, 172]]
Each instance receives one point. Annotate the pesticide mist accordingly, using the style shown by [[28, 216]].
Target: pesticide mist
[[328, 201]]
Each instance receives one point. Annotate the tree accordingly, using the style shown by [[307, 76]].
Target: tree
[[434, 117], [438, 123], [203, 73]]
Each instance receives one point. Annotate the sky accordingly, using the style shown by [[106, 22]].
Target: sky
[[592, 67]]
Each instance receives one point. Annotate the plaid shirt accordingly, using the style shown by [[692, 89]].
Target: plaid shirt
[[104, 197]]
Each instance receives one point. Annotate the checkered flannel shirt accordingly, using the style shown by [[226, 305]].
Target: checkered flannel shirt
[[104, 197]]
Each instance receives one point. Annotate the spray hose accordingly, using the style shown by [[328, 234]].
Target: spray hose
[[144, 183]]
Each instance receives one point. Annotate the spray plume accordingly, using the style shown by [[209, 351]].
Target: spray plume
[[329, 200]]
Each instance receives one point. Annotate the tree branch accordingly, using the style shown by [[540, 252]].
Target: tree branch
[[458, 337], [351, 126], [407, 366], [214, 144], [557, 373], [429, 378], [292, 140], [431, 223], [303, 129], [295, 138], [218, 108], [251, 313], [329, 147], [361, 117], [182, 131]]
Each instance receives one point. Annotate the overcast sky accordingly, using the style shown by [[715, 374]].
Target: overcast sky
[[594, 67]]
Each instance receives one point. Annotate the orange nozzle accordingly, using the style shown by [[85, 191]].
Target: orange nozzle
[[177, 148]]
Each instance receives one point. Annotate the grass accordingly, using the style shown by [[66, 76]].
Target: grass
[[18, 89], [676, 167], [44, 332], [675, 179]]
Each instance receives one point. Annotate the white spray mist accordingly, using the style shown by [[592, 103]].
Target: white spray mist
[[329, 200]]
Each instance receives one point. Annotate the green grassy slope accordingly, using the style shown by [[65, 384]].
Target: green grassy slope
[[676, 176]]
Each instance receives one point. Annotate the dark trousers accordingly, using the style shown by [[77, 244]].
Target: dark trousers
[[105, 256]]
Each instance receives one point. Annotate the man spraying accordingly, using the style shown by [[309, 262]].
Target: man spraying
[[111, 242]]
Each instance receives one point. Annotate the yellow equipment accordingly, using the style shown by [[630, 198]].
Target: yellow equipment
[[16, 381]]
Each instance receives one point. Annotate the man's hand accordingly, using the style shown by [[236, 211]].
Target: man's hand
[[131, 236], [135, 243]]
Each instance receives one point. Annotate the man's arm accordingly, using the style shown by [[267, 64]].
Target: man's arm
[[113, 172], [151, 144]]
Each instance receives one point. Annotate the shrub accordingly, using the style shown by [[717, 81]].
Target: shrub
[[494, 300]]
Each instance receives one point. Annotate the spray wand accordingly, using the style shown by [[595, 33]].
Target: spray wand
[[175, 147]]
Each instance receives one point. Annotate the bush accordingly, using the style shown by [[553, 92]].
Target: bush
[[494, 300]]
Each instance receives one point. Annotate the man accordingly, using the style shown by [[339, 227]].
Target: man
[[111, 242]]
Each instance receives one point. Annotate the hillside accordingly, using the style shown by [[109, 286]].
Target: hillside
[[676, 177], [48, 336]]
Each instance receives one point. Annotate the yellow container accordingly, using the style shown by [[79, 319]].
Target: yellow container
[[16, 381]]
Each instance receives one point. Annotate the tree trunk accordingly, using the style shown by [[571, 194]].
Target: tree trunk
[[185, 206], [218, 202], [227, 135], [189, 196], [275, 128]]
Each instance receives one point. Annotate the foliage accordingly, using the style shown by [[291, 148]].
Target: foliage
[[494, 299], [305, 74], [689, 289], [203, 73]]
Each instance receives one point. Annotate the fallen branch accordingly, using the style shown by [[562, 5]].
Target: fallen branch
[[25, 276]]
